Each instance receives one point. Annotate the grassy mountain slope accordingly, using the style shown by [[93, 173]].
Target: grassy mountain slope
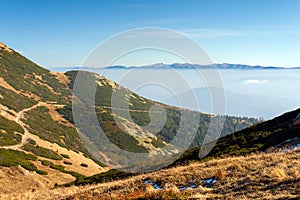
[[274, 133], [37, 133], [30, 79], [128, 135], [32, 132]]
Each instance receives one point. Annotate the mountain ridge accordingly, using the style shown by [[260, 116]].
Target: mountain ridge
[[199, 66], [178, 66]]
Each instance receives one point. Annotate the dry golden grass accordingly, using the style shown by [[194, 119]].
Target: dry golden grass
[[17, 181], [56, 116], [257, 176], [4, 84], [61, 77]]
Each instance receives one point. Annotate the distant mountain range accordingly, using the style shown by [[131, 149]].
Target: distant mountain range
[[197, 66], [180, 66]]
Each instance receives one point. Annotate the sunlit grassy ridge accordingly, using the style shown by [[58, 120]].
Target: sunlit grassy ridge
[[26, 76]]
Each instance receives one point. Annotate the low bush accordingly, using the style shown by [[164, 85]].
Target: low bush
[[43, 152]]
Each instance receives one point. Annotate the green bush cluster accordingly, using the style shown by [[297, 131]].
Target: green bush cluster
[[83, 165], [9, 158], [43, 152], [65, 155], [46, 163], [15, 101], [9, 132], [67, 162], [110, 175], [63, 170]]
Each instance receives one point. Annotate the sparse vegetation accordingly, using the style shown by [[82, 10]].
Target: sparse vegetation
[[53, 131], [111, 129], [137, 103], [247, 176]]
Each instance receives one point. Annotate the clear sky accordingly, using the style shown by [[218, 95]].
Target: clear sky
[[61, 33]]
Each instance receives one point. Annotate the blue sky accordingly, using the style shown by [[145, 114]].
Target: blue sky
[[61, 33]]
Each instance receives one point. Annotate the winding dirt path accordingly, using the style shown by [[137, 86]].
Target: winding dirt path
[[76, 158], [26, 135]]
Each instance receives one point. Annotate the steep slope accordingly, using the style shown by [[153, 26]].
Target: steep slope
[[134, 138], [282, 132], [33, 135]]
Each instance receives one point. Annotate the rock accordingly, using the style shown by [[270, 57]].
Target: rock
[[4, 47]]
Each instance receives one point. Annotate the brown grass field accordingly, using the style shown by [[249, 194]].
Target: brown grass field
[[256, 176]]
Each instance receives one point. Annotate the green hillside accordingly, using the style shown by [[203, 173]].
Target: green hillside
[[259, 137], [106, 120]]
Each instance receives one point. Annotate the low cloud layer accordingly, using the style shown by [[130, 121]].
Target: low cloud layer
[[255, 81]]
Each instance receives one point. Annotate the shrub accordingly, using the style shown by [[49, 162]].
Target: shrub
[[83, 165], [46, 163], [43, 152], [65, 155], [9, 158], [67, 162]]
